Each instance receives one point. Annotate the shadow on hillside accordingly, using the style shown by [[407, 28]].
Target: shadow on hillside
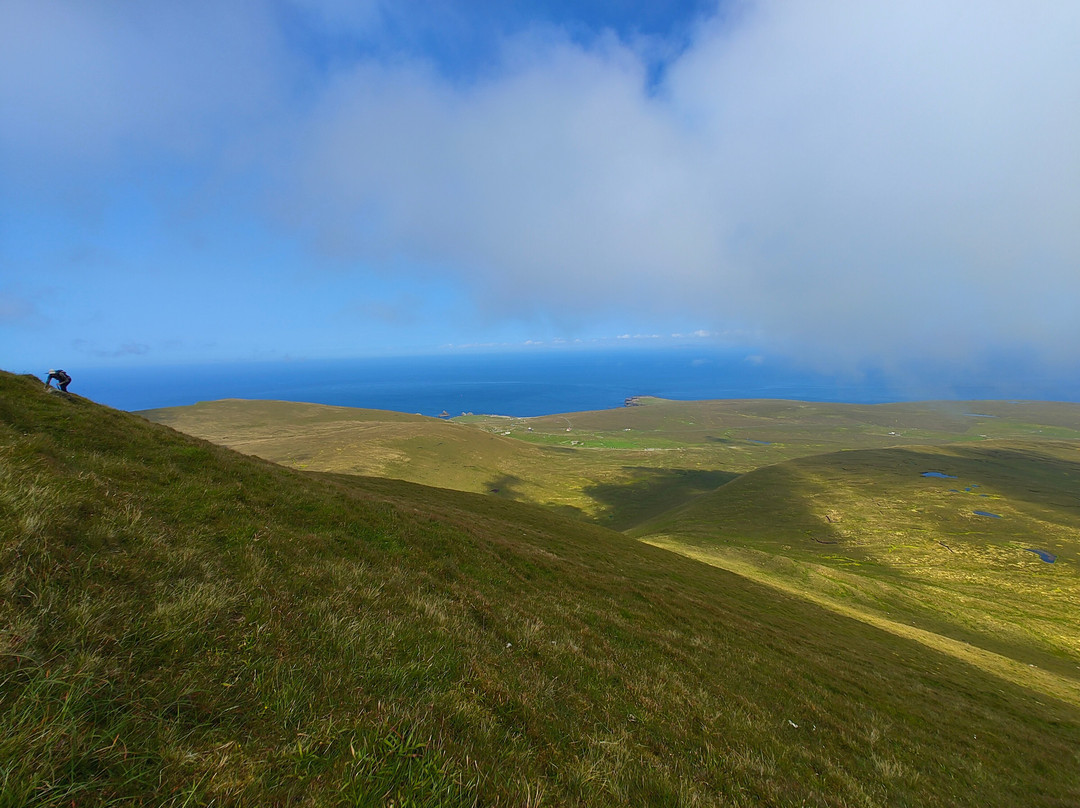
[[770, 505], [504, 486], [651, 492]]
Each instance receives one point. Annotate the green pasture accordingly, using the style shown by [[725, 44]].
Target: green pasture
[[181, 624]]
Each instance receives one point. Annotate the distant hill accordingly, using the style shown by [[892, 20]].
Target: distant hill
[[368, 442], [182, 624], [616, 467]]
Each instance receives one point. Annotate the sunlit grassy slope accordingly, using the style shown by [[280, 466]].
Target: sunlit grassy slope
[[181, 624], [617, 467], [415, 448], [937, 537]]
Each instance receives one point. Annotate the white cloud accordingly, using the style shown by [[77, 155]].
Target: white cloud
[[97, 86], [857, 179]]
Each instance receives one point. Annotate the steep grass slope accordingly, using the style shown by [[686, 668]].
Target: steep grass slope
[[379, 443], [181, 624], [979, 542]]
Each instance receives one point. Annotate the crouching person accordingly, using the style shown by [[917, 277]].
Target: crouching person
[[62, 379]]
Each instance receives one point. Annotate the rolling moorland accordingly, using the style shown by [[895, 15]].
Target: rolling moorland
[[937, 521], [428, 613]]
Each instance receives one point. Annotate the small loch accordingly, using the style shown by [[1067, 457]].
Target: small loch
[[987, 513], [1049, 558], [939, 475]]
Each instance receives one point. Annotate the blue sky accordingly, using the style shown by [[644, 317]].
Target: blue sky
[[845, 183]]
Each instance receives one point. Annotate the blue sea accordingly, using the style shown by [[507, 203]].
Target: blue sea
[[529, 384]]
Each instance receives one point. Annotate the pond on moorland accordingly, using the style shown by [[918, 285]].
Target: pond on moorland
[[1049, 558]]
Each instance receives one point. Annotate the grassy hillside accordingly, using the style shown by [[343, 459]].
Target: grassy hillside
[[861, 530], [616, 467], [752, 433], [182, 624], [379, 443], [942, 538]]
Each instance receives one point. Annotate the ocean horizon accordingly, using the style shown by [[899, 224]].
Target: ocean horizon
[[536, 383]]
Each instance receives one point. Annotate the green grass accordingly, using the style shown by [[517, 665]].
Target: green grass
[[857, 526], [577, 462], [182, 624], [866, 529]]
